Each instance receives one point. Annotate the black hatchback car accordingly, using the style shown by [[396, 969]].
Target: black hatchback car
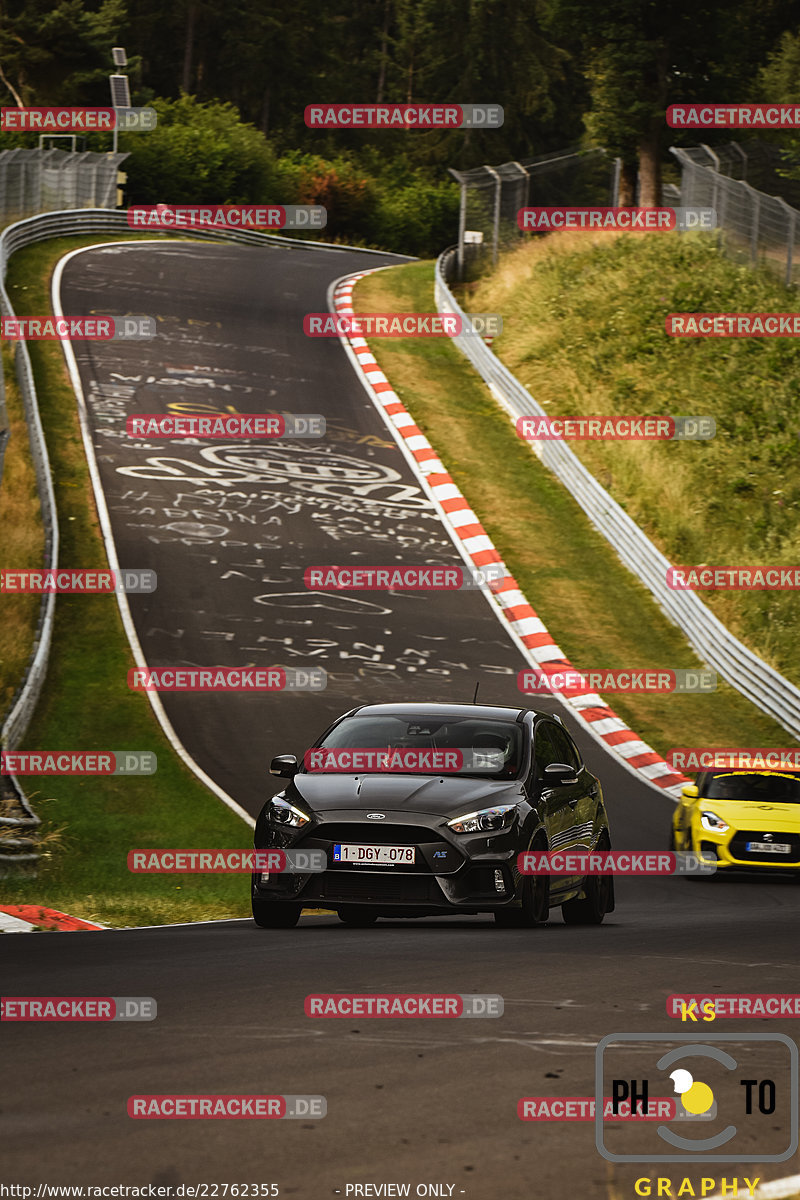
[[422, 809]]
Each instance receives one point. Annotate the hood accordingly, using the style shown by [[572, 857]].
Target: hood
[[754, 814], [431, 794]]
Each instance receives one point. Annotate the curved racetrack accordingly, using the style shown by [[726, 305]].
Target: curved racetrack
[[230, 528]]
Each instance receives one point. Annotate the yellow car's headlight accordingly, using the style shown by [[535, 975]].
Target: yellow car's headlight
[[712, 823]]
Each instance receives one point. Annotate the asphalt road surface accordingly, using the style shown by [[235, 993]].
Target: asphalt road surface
[[230, 529]]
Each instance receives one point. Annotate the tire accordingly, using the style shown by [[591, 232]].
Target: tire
[[535, 908], [358, 918], [599, 898], [276, 914]]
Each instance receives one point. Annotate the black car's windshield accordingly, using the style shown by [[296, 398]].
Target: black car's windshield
[[758, 788], [420, 746]]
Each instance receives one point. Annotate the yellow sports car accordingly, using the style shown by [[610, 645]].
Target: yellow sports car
[[744, 818]]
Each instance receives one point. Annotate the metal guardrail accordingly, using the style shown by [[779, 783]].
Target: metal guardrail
[[715, 645], [71, 223]]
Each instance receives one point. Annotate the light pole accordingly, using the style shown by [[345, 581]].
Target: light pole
[[120, 88]]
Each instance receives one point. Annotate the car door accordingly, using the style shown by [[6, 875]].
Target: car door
[[564, 804]]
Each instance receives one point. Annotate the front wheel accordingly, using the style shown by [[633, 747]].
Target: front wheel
[[598, 899], [276, 914], [535, 908]]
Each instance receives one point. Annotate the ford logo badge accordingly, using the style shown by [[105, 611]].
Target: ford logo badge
[[375, 816]]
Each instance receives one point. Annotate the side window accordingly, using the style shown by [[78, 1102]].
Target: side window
[[543, 750], [565, 749]]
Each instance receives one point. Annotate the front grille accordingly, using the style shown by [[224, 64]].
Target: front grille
[[377, 833], [738, 847], [342, 886]]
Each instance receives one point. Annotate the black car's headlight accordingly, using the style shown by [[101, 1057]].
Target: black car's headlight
[[485, 820], [281, 812], [712, 823]]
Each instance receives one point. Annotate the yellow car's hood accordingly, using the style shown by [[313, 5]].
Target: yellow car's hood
[[754, 814]]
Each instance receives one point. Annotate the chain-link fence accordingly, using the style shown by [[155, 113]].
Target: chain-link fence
[[34, 181], [754, 227], [491, 197]]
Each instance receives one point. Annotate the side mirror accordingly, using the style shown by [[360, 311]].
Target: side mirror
[[559, 775], [690, 792], [285, 765]]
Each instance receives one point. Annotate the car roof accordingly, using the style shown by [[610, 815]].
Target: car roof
[[488, 711]]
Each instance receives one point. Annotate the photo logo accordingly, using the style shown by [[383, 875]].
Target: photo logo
[[729, 1087]]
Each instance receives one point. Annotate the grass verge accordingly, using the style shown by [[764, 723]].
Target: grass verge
[[584, 331], [596, 610], [92, 823]]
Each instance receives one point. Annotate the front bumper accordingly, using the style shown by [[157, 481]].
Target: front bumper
[[466, 873], [730, 849]]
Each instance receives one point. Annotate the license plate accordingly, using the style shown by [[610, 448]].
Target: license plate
[[769, 847], [383, 855]]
